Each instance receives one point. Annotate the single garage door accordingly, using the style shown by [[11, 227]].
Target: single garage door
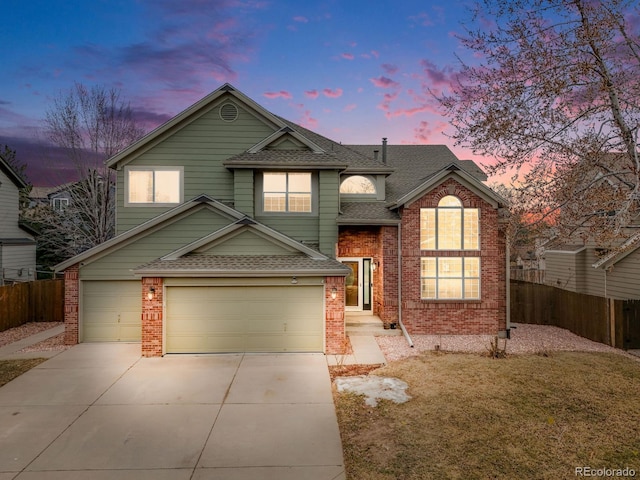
[[244, 319], [111, 311]]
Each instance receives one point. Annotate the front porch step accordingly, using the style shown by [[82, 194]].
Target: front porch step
[[375, 331], [359, 324]]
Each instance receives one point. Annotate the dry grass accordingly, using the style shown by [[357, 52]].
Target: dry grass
[[471, 417], [10, 369]]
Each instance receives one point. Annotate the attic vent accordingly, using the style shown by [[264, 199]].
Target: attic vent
[[228, 112]]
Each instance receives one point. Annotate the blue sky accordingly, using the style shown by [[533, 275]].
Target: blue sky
[[353, 70]]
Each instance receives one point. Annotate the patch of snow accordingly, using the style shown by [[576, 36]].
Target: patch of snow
[[374, 388]]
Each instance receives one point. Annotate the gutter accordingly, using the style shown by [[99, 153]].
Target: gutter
[[404, 330]]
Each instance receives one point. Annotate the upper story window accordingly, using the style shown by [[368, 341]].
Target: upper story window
[[59, 204], [153, 185], [287, 192], [357, 185], [450, 226]]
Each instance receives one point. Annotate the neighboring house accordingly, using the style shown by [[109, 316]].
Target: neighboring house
[[17, 244], [593, 271], [240, 231], [58, 198]]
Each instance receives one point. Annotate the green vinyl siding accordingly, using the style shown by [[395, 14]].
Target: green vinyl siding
[[328, 206], [301, 228], [243, 191], [200, 147], [561, 270], [118, 264], [247, 243]]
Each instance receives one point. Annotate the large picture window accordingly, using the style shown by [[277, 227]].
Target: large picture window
[[450, 278], [153, 186], [450, 226], [287, 192]]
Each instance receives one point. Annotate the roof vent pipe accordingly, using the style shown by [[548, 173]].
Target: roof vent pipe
[[375, 154], [384, 150]]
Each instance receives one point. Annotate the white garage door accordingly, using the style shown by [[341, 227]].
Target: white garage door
[[244, 319], [111, 311]]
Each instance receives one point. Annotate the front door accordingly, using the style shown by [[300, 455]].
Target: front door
[[358, 284]]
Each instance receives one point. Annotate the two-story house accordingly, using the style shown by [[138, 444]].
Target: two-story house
[[17, 244], [238, 230]]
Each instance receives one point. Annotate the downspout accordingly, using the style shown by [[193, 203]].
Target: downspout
[[404, 330], [508, 282]]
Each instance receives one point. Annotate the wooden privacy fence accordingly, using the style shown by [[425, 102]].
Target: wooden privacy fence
[[604, 320], [39, 301]]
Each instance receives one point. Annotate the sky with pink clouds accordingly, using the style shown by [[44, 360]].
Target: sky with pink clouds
[[352, 70]]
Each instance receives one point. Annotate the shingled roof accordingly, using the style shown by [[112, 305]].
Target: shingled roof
[[414, 164]]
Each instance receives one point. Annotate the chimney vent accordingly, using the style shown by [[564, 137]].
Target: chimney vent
[[384, 150], [375, 154]]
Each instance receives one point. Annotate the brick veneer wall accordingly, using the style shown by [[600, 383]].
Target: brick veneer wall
[[152, 317], [486, 316], [380, 244], [71, 302], [335, 335]]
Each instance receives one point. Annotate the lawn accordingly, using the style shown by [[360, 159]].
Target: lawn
[[10, 369], [472, 417]]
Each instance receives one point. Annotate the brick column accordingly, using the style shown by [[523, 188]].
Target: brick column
[[334, 316], [71, 297], [152, 317]]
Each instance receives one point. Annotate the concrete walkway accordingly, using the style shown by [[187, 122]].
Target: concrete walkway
[[10, 351], [365, 352], [101, 411]]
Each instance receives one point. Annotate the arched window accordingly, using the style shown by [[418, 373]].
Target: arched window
[[450, 226], [357, 185]]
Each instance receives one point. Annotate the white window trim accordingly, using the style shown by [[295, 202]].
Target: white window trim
[[462, 210], [153, 168], [260, 196], [62, 204], [344, 178], [462, 279]]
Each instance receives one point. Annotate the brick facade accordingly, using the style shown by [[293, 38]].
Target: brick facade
[[485, 316], [71, 305], [335, 336], [379, 244], [152, 317]]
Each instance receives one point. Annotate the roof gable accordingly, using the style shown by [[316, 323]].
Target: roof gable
[[286, 134], [451, 171], [187, 117], [268, 239], [188, 208], [628, 247], [11, 174]]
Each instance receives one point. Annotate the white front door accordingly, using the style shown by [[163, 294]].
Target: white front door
[[358, 284]]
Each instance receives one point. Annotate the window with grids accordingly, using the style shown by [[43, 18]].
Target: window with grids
[[450, 227], [450, 278], [287, 192]]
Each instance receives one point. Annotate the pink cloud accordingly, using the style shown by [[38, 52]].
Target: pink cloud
[[409, 112], [425, 132], [300, 19], [435, 75], [422, 19], [350, 107], [280, 94], [332, 93], [384, 82], [389, 69], [375, 53], [347, 56], [313, 94], [308, 121]]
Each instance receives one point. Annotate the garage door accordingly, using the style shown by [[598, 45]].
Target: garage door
[[244, 319], [111, 311]]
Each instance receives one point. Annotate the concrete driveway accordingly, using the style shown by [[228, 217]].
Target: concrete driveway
[[100, 411]]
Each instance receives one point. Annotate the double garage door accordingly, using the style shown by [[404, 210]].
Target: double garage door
[[244, 319], [210, 319]]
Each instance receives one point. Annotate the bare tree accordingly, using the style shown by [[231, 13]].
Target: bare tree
[[556, 98], [91, 125]]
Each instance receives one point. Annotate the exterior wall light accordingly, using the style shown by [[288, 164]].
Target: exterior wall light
[[334, 293], [151, 293], [294, 280]]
